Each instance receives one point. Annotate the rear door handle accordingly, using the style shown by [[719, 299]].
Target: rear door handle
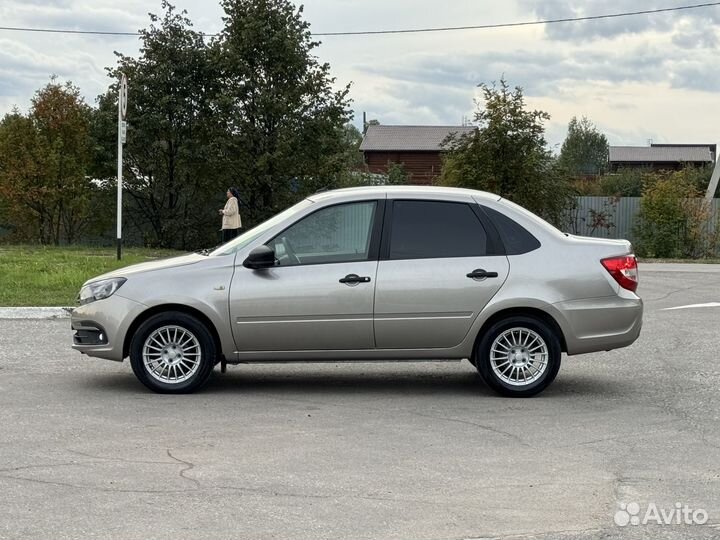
[[481, 274], [354, 278]]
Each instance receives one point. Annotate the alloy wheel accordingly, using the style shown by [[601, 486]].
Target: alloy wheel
[[171, 354], [519, 356]]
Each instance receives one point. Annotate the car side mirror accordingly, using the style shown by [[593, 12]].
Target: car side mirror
[[260, 257]]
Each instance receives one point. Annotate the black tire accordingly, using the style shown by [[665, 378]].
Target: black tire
[[207, 347], [483, 362]]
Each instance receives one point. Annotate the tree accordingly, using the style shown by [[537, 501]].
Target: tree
[[21, 182], [62, 118], [283, 119], [347, 164], [171, 173], [253, 109], [352, 138], [585, 150], [508, 155], [44, 166]]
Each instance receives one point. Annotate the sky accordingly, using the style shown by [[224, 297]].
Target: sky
[[651, 77]]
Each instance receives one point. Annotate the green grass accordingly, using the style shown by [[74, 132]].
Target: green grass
[[52, 276]]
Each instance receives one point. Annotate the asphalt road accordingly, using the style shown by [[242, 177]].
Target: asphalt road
[[367, 451]]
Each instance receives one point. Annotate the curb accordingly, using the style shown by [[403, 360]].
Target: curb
[[37, 313]]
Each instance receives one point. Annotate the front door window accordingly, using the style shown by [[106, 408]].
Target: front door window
[[337, 234]]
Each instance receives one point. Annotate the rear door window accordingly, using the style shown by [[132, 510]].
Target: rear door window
[[435, 229]]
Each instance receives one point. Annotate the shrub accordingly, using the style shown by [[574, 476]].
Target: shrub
[[623, 183], [673, 217], [587, 187]]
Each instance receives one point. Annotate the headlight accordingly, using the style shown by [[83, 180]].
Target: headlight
[[99, 290]]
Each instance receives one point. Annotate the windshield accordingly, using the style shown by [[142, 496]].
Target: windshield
[[244, 239]]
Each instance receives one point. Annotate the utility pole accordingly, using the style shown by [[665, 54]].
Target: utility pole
[[122, 134], [712, 187]]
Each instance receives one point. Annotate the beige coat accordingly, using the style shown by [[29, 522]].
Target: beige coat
[[231, 215]]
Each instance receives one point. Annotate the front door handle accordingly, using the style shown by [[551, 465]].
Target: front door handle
[[354, 278], [481, 274]]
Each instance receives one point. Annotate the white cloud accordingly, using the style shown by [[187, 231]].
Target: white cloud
[[637, 78]]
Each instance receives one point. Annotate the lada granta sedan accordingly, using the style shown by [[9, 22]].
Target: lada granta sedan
[[376, 273]]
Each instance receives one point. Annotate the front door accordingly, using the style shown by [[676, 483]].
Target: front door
[[438, 270], [320, 294]]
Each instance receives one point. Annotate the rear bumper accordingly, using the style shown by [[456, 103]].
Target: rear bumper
[[601, 324], [100, 327]]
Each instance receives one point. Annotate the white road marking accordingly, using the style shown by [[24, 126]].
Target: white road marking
[[692, 306]]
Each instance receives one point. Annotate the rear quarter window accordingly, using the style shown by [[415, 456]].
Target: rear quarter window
[[517, 239]]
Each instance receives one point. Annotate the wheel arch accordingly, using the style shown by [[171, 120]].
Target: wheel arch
[[520, 311], [163, 308]]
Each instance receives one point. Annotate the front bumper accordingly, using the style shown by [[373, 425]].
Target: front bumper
[[100, 327]]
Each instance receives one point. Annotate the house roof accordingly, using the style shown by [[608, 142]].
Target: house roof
[[409, 138], [659, 154]]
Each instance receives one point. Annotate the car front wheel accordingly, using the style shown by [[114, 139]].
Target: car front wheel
[[519, 356], [172, 353]]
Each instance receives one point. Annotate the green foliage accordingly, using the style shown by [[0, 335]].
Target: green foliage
[[170, 175], [673, 217], [397, 175], [585, 150], [351, 156], [623, 183], [629, 182], [508, 155], [280, 116], [5, 226], [586, 187], [45, 159], [699, 177], [254, 109], [347, 166]]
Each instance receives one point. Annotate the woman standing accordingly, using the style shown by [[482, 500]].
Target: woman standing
[[231, 216]]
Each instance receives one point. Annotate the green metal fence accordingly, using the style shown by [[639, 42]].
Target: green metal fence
[[615, 217]]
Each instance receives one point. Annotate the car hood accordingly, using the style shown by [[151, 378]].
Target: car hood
[[151, 266]]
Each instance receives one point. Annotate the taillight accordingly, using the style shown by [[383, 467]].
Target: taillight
[[624, 269]]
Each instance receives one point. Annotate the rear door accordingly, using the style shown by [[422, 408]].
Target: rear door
[[438, 268]]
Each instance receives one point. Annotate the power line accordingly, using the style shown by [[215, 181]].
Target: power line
[[525, 23], [66, 31], [407, 30]]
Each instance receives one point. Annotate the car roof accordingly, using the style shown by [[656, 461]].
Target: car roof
[[408, 190]]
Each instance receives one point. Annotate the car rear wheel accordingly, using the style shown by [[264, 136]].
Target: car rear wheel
[[519, 356], [172, 353]]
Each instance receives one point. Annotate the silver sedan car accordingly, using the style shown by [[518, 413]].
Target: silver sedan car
[[368, 274]]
